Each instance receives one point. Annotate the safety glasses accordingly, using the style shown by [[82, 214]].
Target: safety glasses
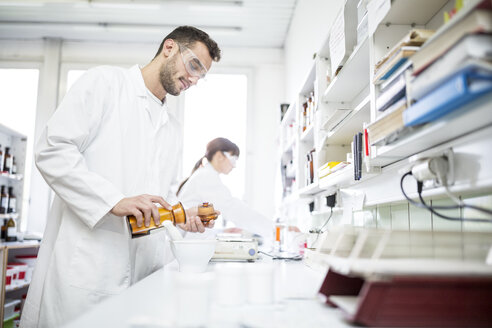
[[231, 158], [193, 65]]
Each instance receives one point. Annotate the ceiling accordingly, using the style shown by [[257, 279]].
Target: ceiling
[[234, 23]]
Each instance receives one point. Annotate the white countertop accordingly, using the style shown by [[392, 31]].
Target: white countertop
[[152, 303]]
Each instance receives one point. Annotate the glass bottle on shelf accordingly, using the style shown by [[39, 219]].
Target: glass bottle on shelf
[[13, 170], [7, 160], [11, 231], [304, 116], [3, 234], [1, 159], [4, 201], [310, 110], [12, 201]]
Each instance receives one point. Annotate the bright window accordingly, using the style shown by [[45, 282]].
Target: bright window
[[72, 76], [215, 108], [18, 111]]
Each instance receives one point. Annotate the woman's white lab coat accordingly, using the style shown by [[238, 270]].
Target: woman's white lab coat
[[205, 185], [100, 146]]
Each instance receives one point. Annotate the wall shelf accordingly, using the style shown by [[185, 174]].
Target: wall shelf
[[15, 177], [308, 135], [312, 189], [468, 119], [408, 12], [352, 78], [344, 132]]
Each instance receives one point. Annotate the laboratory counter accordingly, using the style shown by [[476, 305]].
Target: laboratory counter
[[155, 301]]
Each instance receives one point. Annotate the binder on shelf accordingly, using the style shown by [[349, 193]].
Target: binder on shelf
[[480, 20], [460, 89], [472, 50], [392, 93]]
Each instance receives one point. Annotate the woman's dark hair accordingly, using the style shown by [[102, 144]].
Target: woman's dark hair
[[214, 146], [188, 36]]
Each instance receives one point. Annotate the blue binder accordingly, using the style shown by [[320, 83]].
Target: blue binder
[[459, 90]]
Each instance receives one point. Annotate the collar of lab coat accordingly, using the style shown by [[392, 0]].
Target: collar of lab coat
[[141, 91], [209, 167]]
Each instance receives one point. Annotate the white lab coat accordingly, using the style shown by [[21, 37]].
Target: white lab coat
[[100, 146], [205, 185]]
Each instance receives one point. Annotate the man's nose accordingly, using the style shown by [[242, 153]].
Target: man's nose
[[193, 79]]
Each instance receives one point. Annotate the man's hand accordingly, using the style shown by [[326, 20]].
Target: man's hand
[[142, 207], [193, 222]]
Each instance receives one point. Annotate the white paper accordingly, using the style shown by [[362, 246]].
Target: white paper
[[352, 200], [337, 42], [376, 11]]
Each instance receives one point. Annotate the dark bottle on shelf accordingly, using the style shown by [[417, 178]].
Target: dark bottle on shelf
[[3, 234], [4, 201], [11, 231], [12, 201], [1, 159], [13, 170], [7, 160]]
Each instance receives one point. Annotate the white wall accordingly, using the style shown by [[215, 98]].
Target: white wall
[[266, 85], [308, 31]]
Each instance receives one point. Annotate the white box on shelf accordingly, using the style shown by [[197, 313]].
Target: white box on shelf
[[9, 308]]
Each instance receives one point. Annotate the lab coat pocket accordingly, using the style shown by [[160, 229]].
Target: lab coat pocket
[[101, 262]]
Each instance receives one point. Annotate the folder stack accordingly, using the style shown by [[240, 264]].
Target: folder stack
[[391, 74], [453, 69]]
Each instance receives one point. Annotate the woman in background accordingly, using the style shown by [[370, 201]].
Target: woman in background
[[205, 185]]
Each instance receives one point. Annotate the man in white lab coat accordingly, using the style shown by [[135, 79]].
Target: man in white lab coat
[[110, 150]]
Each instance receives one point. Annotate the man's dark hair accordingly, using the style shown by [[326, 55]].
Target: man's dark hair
[[188, 36]]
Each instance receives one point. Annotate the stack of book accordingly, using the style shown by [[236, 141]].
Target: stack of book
[[454, 68], [391, 76], [399, 54]]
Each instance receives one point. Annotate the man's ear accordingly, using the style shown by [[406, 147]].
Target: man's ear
[[168, 47]]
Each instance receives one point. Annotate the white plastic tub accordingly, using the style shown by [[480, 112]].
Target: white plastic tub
[[30, 260], [9, 308]]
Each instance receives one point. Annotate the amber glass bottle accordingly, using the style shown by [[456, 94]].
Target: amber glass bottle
[[7, 160], [1, 159], [176, 215], [12, 201], [4, 230], [11, 231], [4, 201]]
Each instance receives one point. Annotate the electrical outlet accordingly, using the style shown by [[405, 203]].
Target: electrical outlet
[[425, 167]]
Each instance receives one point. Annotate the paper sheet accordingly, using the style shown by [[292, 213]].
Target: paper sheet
[[376, 11]]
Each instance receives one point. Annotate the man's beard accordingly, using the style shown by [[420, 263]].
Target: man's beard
[[166, 74]]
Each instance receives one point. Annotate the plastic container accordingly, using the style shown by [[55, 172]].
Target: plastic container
[[13, 272], [22, 269], [9, 308], [9, 275], [30, 260]]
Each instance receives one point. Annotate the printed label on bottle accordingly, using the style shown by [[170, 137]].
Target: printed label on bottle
[[11, 231], [4, 202], [12, 204]]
